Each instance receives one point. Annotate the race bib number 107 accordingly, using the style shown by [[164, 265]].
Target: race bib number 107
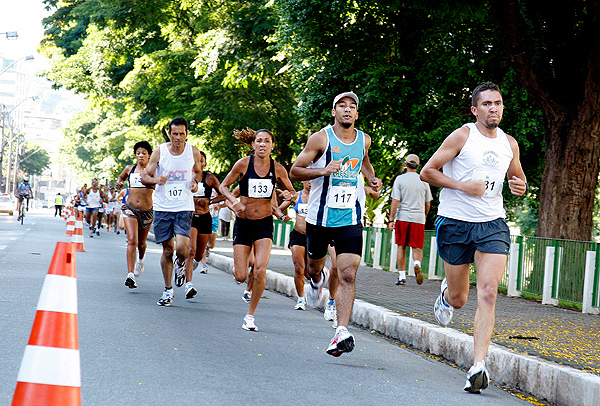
[[175, 190]]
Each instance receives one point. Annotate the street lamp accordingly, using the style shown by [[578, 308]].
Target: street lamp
[[26, 58], [6, 114], [10, 34]]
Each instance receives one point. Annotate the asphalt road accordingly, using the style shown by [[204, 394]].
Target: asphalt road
[[195, 352]]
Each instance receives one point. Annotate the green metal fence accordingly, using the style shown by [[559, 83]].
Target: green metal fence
[[567, 273]]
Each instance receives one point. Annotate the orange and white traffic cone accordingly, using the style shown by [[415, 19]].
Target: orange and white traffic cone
[[50, 372], [77, 237], [70, 225]]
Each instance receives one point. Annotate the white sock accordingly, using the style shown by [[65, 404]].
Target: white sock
[[402, 275], [417, 263]]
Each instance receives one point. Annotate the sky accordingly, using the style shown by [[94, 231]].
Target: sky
[[25, 17]]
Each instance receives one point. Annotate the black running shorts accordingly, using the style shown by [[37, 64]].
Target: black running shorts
[[202, 223], [297, 238], [345, 240], [246, 231]]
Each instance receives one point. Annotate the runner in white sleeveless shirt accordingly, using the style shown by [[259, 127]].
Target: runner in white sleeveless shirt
[[470, 225], [173, 168]]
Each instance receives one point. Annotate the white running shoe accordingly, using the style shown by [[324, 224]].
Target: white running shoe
[[203, 268], [315, 290], [330, 310], [301, 305], [247, 296], [478, 378], [443, 310], [130, 281], [341, 342], [249, 323], [139, 266], [178, 273], [190, 290], [166, 299]]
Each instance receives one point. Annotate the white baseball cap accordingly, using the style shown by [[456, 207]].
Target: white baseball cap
[[351, 95]]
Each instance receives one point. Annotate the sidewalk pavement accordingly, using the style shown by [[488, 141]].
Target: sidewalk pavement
[[548, 352]]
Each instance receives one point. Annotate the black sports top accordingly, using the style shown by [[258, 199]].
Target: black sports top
[[136, 181], [204, 191], [252, 185]]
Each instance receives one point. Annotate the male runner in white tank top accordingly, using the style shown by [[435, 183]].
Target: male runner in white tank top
[[470, 225], [173, 168]]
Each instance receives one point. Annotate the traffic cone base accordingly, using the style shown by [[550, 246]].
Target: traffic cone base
[[50, 370], [46, 395]]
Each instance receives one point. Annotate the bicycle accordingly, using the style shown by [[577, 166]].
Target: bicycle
[[22, 208]]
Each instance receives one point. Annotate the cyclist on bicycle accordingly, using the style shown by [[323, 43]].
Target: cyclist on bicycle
[[23, 192]]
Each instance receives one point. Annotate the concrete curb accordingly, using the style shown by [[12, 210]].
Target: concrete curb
[[544, 380]]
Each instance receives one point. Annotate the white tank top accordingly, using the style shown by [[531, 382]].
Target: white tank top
[[175, 195], [94, 199], [481, 158]]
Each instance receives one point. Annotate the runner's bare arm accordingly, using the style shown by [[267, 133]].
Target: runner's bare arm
[[450, 148], [239, 168], [147, 174], [282, 174], [517, 181], [367, 169], [123, 176], [314, 148], [197, 169]]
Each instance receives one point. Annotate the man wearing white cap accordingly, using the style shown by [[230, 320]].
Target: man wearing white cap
[[333, 160], [411, 200]]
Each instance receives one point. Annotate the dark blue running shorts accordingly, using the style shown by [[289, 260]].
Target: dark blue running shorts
[[167, 224], [458, 240]]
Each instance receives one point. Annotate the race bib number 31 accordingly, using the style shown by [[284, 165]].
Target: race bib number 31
[[260, 188], [175, 190], [342, 197], [493, 182]]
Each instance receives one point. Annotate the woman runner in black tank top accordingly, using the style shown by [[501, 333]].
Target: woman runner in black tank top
[[201, 223], [254, 224]]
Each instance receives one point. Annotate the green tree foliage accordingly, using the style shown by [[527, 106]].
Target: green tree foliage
[[277, 64], [141, 63], [34, 159], [414, 65]]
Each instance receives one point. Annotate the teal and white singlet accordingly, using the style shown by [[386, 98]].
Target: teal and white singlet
[[334, 200]]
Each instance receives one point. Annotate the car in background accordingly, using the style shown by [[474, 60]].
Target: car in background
[[7, 204]]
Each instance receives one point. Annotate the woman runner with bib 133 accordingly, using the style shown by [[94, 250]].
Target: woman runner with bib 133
[[257, 175]]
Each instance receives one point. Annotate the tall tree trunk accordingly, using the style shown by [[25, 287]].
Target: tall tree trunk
[[560, 68], [568, 187]]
